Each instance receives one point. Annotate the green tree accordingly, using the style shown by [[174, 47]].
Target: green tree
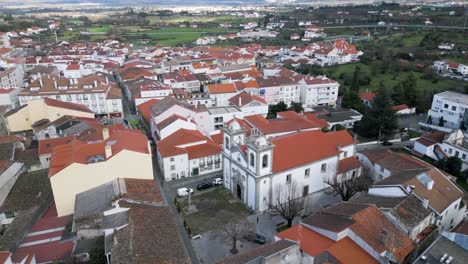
[[273, 109], [296, 107], [409, 90], [355, 82], [453, 165], [352, 100], [97, 256], [380, 119]]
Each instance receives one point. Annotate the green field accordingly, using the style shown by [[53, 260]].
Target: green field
[[200, 19], [392, 79], [98, 29], [173, 35]]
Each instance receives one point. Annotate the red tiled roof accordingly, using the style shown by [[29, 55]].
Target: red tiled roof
[[6, 90], [203, 150], [67, 105], [145, 109], [46, 145], [47, 251], [311, 242], [169, 120], [8, 139], [397, 108], [73, 67], [368, 96], [289, 123], [222, 88], [142, 190], [244, 98], [4, 256], [297, 149], [79, 152], [347, 251], [348, 164], [167, 146]]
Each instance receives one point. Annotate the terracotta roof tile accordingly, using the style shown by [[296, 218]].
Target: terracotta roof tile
[[348, 164], [222, 88], [297, 149], [46, 145], [66, 105]]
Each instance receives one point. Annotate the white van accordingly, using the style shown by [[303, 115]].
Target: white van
[[181, 192]]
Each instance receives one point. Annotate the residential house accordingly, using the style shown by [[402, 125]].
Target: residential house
[[451, 108], [219, 116], [80, 166], [277, 89], [318, 90], [249, 104], [429, 145], [8, 96], [333, 116], [220, 93], [401, 175], [24, 117], [95, 91], [170, 106], [188, 153], [11, 78], [367, 98], [349, 233]]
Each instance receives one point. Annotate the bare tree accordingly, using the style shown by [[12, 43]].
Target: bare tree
[[236, 230], [349, 186], [286, 201]]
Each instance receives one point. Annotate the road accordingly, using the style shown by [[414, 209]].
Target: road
[[399, 26]]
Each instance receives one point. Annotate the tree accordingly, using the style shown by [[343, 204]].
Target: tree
[[409, 90], [286, 201], [380, 119], [453, 165], [441, 121], [296, 107], [273, 109], [97, 256], [236, 230], [355, 82], [352, 100], [347, 188]]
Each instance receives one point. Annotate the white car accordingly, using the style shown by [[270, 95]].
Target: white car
[[182, 192], [217, 181]]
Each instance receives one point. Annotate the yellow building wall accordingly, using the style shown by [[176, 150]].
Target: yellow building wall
[[19, 121], [37, 110], [78, 178]]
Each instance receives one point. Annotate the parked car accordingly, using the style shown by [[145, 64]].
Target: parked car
[[255, 237], [204, 186], [217, 181], [181, 192], [387, 143]]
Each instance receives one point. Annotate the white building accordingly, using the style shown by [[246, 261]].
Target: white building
[[318, 90], [96, 92], [254, 166], [450, 106], [220, 93], [402, 175], [455, 144], [188, 153], [277, 89], [220, 115], [11, 78], [249, 104], [9, 96]]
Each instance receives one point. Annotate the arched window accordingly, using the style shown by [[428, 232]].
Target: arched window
[[265, 161], [252, 160], [226, 142]]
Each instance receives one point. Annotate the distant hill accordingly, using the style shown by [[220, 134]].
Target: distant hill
[[138, 3]]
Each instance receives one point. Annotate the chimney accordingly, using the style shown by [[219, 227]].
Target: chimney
[[240, 101], [95, 83], [55, 83], [40, 82], [105, 133], [425, 203], [108, 151], [107, 80], [430, 184]]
